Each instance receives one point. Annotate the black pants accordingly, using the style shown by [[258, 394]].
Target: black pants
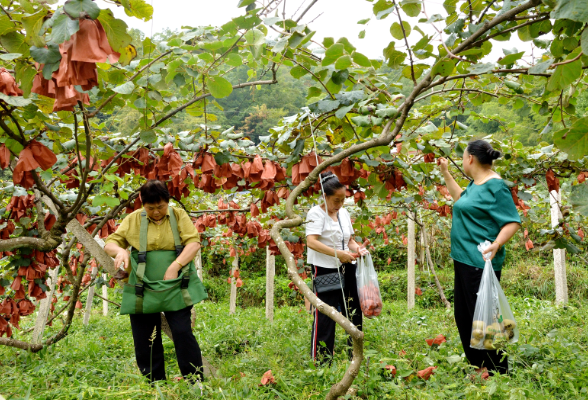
[[323, 328], [150, 354], [467, 283]]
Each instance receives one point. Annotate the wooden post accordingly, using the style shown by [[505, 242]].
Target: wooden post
[[270, 272], [90, 298], [559, 255], [422, 248], [411, 285], [45, 305], [105, 295], [198, 263], [233, 299]]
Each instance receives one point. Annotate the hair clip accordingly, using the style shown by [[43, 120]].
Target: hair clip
[[323, 180]]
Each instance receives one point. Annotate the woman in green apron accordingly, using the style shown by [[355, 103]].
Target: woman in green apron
[[162, 278]]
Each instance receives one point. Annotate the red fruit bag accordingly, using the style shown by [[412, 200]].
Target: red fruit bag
[[367, 287]]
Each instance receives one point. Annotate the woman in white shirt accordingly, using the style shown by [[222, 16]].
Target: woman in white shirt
[[329, 228]]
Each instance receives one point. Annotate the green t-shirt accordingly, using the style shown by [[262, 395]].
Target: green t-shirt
[[479, 215]]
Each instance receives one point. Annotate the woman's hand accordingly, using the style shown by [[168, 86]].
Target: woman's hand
[[492, 249], [345, 256], [363, 251], [122, 260], [172, 272], [443, 165]]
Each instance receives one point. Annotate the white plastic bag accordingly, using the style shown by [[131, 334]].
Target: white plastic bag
[[368, 289], [494, 325]]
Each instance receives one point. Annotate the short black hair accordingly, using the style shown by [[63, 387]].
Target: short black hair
[[483, 151], [153, 192], [330, 183]]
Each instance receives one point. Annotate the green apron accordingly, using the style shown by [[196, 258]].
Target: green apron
[[146, 292]]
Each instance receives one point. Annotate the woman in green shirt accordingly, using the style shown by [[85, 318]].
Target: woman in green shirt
[[483, 211]]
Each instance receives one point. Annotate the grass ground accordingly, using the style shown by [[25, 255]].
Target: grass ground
[[97, 361]]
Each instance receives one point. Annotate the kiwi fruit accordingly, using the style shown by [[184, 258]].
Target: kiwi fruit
[[509, 333], [494, 328], [509, 324], [489, 345], [474, 342], [478, 334], [478, 325]]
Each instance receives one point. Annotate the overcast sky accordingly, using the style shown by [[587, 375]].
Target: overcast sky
[[336, 18]]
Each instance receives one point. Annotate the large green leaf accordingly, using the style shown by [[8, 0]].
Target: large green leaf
[[444, 67], [24, 75], [138, 8], [564, 75], [541, 67], [125, 88], [333, 53], [16, 101], [573, 140], [343, 62], [396, 30], [33, 24], [14, 42], [361, 60], [412, 8], [49, 56], [255, 37], [511, 58], [219, 87], [81, 8], [579, 198], [481, 68], [6, 25], [63, 28], [576, 10], [116, 31]]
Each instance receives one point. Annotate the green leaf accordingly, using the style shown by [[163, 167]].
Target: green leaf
[[219, 87], [10, 56], [579, 198], [138, 8], [245, 3], [16, 101], [338, 77], [396, 30], [234, 60], [222, 158], [511, 58], [148, 136], [444, 67], [298, 72], [6, 25], [63, 28], [33, 24], [343, 111], [576, 10], [14, 42], [125, 88], [49, 56], [412, 8], [541, 67], [116, 31], [564, 75], [584, 41], [102, 199], [343, 62], [361, 60], [255, 37], [333, 53], [480, 69], [24, 75], [81, 8], [573, 140]]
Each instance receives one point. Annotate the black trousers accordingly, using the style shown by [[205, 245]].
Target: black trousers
[[467, 283], [323, 328], [149, 353]]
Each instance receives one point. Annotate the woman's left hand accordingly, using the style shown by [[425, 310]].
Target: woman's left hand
[[492, 249], [171, 273]]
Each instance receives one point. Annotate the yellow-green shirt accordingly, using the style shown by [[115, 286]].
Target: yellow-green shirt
[[159, 237]]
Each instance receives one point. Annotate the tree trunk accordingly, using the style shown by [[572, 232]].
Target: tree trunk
[[432, 267], [559, 255], [45, 305], [411, 285], [422, 250], [105, 295], [270, 265], [90, 298], [233, 299]]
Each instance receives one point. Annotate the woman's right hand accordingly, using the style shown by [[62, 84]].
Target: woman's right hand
[[345, 256], [443, 164], [122, 259]]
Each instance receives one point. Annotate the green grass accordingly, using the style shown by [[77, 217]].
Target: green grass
[[97, 362]]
